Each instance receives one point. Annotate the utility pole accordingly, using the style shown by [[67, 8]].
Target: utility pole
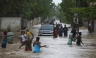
[[77, 17], [75, 20], [77, 3]]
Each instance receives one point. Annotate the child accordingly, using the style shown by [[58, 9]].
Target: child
[[79, 40], [37, 45], [23, 38]]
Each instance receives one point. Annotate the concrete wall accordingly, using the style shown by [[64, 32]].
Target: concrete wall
[[35, 21], [85, 24], [14, 22], [29, 24], [24, 24]]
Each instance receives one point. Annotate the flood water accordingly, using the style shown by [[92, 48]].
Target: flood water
[[57, 47]]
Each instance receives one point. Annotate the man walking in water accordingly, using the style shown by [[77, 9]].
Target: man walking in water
[[65, 30]]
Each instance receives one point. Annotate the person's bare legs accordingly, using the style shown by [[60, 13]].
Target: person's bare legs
[[21, 45]]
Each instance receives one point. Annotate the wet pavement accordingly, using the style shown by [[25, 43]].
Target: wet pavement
[[57, 47]]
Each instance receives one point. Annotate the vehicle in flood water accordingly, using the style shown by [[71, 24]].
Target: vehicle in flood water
[[46, 29]]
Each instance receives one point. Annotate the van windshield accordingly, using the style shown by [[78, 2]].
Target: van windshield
[[46, 27]]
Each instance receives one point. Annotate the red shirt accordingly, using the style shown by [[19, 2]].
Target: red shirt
[[5, 33]]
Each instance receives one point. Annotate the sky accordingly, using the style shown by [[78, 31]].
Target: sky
[[57, 1]]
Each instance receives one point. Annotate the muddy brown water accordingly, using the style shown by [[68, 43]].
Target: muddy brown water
[[58, 47]]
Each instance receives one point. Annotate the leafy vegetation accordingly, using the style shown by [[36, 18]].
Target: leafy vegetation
[[46, 8], [86, 9], [65, 9], [29, 8]]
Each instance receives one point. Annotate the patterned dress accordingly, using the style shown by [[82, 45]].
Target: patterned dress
[[28, 45]]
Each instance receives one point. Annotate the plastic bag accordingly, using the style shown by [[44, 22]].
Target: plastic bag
[[69, 41]]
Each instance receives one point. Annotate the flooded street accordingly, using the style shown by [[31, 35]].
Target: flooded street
[[57, 47]]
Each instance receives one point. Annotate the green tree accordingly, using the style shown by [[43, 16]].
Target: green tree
[[29, 8], [86, 10], [65, 8], [15, 8]]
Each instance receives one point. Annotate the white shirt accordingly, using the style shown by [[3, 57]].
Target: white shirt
[[23, 37], [90, 24]]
